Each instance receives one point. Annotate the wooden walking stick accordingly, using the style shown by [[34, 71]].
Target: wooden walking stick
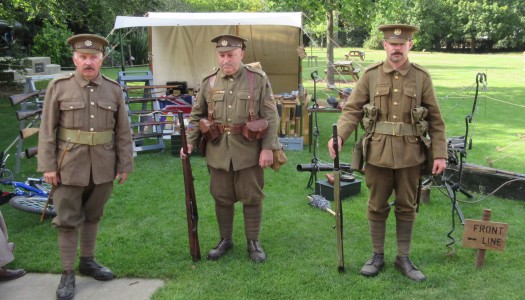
[[337, 202], [50, 195]]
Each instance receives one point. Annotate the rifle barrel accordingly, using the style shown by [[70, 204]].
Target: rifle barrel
[[24, 114], [192, 215]]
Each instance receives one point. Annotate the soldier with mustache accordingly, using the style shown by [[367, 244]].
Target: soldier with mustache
[[84, 119], [396, 105]]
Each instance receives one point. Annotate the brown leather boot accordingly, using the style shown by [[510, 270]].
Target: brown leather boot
[[89, 267], [10, 274], [256, 251], [223, 246], [404, 265], [373, 265], [66, 288]]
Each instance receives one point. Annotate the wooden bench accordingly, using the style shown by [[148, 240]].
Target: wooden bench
[[356, 53]]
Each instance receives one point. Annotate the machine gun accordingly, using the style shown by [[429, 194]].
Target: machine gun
[[189, 189]]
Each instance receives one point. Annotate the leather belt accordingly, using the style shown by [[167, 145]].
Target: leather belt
[[230, 129], [394, 128], [85, 137]]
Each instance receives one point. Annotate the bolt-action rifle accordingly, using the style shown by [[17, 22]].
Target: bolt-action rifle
[[189, 189], [337, 202], [19, 98]]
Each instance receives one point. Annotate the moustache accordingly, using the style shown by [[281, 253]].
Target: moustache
[[397, 52], [88, 68]]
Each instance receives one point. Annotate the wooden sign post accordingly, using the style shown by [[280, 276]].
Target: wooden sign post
[[484, 235]]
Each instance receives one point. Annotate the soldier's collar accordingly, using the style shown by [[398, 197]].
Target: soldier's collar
[[234, 75], [84, 82], [387, 67]]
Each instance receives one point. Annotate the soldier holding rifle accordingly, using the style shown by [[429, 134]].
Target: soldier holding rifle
[[396, 104], [86, 113], [228, 98]]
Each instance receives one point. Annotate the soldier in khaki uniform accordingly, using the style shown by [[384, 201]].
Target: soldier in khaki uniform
[[84, 115], [396, 103], [6, 255], [236, 164]]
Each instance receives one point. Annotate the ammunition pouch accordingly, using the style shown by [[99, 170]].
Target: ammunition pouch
[[255, 130], [418, 120], [359, 155], [209, 129], [369, 117], [426, 168]]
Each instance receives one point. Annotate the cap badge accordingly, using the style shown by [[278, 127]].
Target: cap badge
[[224, 43], [397, 31], [88, 43]]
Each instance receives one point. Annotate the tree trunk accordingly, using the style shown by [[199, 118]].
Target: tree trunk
[[330, 49]]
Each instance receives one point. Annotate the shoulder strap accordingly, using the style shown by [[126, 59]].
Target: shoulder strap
[[372, 81], [211, 81], [250, 84], [419, 86]]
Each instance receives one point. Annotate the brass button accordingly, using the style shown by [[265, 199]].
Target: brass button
[[92, 103], [231, 79], [109, 107], [92, 116], [396, 90], [396, 77], [229, 120], [395, 103], [91, 129], [229, 106], [71, 107], [394, 117], [231, 92]]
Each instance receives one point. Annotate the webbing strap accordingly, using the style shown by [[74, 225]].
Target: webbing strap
[[211, 81], [250, 84]]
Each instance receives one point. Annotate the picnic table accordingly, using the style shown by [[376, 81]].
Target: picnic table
[[360, 54], [345, 67]]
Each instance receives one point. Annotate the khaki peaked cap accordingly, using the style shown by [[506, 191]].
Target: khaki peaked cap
[[398, 33], [88, 43], [228, 42]]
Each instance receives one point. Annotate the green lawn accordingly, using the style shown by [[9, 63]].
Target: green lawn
[[144, 234]]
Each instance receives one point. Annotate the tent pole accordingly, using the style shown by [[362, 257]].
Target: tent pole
[[121, 51]]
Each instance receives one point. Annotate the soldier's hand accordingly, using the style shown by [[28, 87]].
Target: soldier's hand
[[266, 158], [121, 177], [51, 178], [331, 146], [190, 149], [439, 166]]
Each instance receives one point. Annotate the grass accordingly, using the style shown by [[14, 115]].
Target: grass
[[143, 233]]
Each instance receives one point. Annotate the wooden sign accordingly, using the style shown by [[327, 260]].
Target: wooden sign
[[485, 235]]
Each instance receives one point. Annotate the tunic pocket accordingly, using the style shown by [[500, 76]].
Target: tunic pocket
[[218, 106], [71, 114], [106, 118]]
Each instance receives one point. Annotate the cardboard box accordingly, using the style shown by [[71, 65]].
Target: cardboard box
[[292, 143], [325, 189]]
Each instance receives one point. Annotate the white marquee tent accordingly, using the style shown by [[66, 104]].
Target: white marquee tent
[[181, 50]]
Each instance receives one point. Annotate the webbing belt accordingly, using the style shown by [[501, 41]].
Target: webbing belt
[[85, 137], [394, 128]]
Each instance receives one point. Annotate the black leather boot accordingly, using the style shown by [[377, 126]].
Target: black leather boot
[[66, 288], [256, 251], [89, 267], [223, 246]]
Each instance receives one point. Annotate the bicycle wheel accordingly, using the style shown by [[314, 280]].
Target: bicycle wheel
[[32, 205]]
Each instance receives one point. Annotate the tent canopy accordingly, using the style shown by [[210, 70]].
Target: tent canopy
[[181, 48]]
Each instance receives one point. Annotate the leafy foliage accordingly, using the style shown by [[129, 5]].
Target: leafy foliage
[[51, 42]]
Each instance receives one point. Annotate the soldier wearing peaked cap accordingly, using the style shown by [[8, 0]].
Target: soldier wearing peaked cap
[[231, 94], [395, 103], [85, 121]]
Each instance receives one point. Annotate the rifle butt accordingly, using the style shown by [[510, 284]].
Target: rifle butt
[[28, 132], [19, 98], [24, 114], [30, 152]]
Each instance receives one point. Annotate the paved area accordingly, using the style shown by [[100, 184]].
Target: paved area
[[43, 287]]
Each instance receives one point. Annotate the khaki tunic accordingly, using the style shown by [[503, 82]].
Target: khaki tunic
[[73, 102], [393, 161], [231, 106], [395, 97]]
